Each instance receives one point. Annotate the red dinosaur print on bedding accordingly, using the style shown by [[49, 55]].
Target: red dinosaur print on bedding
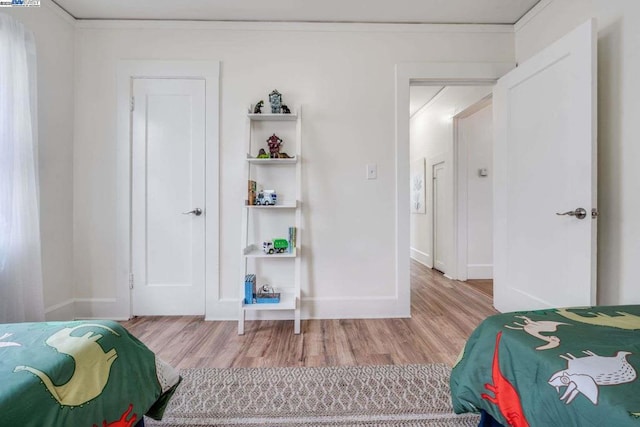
[[505, 395], [122, 422]]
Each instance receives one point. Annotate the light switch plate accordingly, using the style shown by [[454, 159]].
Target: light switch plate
[[372, 171]]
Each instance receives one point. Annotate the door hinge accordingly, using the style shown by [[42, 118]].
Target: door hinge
[[594, 213], [133, 104], [130, 280]]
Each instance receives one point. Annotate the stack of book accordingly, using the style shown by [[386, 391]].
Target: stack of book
[[249, 288]]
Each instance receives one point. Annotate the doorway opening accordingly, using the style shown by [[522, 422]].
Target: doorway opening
[[451, 187], [407, 75]]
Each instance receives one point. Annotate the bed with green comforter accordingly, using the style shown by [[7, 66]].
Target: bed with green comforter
[[556, 367], [74, 374]]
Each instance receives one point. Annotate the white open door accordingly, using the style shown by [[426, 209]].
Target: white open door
[[544, 164]]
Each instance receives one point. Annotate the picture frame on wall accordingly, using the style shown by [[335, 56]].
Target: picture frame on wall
[[418, 186]]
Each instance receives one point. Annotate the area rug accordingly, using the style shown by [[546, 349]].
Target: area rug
[[381, 396]]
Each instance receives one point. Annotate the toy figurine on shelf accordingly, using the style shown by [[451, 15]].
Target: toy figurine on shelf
[[267, 295], [262, 154], [284, 109], [283, 156], [274, 144], [275, 99], [266, 289], [258, 108], [266, 198]]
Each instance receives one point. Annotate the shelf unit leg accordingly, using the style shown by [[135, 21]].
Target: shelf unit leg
[[241, 322], [296, 322]]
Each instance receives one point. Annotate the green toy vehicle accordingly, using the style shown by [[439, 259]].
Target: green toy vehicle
[[275, 246]]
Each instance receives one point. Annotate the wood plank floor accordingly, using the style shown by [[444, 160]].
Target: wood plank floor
[[484, 286], [443, 314]]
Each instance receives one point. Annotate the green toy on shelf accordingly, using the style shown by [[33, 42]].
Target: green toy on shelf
[[275, 246]]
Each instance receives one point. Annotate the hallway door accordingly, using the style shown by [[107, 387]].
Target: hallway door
[[439, 217], [168, 197]]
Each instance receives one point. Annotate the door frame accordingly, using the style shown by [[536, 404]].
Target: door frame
[[460, 191], [209, 71], [436, 73]]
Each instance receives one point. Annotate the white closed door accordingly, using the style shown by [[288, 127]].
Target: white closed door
[[439, 217], [545, 165], [168, 197]]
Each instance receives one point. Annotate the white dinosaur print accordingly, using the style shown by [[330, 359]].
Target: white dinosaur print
[[8, 343], [92, 365], [623, 320], [535, 327], [585, 374]]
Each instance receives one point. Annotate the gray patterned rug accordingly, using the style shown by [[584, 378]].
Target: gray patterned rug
[[381, 396]]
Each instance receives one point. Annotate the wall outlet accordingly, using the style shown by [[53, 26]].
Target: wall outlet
[[372, 171]]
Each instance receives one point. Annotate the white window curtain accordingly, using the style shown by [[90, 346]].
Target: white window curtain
[[20, 258]]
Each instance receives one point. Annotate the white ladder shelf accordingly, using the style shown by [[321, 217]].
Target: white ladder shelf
[[252, 252]]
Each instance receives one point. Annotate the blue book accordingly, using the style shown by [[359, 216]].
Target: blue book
[[268, 298], [249, 288]]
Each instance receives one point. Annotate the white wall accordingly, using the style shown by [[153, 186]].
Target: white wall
[[546, 23], [475, 132], [344, 77], [54, 34], [431, 137], [618, 130]]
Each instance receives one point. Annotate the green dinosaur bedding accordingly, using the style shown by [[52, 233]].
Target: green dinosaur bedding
[[556, 367], [79, 374]]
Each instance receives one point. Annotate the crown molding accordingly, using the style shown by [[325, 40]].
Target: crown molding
[[59, 11], [527, 17], [292, 26]]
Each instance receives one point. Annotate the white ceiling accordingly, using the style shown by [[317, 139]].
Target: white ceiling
[[419, 96], [379, 11], [448, 101]]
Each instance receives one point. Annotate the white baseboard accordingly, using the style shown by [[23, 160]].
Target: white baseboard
[[64, 310], [85, 309], [479, 271], [227, 309], [354, 308], [222, 309], [100, 308], [421, 257]]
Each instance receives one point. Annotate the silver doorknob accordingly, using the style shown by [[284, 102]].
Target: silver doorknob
[[196, 212], [579, 213]]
